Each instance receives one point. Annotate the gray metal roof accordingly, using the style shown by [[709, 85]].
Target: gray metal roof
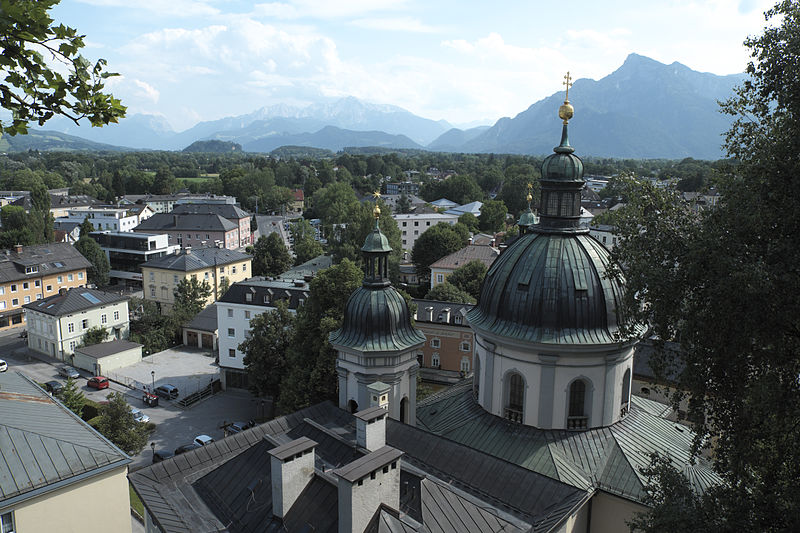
[[263, 292], [445, 486], [367, 464], [197, 223], [284, 451], [437, 307], [197, 259], [52, 258], [205, 320], [104, 349], [309, 268], [43, 445], [73, 301], [229, 211], [608, 458]]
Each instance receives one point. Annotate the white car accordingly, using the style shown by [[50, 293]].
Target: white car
[[138, 415], [3, 366], [203, 440]]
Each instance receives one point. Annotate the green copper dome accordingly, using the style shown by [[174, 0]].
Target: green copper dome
[[376, 241], [527, 220], [552, 289], [563, 165]]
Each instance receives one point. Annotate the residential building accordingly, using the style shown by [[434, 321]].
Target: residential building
[[57, 473], [60, 201], [233, 213], [413, 225], [447, 353], [448, 264], [128, 251], [298, 201], [30, 273], [443, 204], [604, 233], [165, 203], [473, 208], [193, 230], [402, 187], [105, 357], [211, 265], [68, 232], [244, 301], [57, 324], [103, 218], [391, 201], [596, 183], [201, 332]]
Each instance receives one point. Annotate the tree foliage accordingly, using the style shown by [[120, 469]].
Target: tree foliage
[[469, 278], [437, 241], [493, 216], [72, 397], [32, 88], [271, 335], [116, 423], [724, 283], [98, 272], [447, 292], [191, 296], [270, 256], [306, 247], [94, 335]]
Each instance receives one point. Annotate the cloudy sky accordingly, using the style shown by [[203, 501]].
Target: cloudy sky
[[458, 60]]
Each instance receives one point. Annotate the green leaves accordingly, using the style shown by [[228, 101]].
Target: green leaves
[[32, 90]]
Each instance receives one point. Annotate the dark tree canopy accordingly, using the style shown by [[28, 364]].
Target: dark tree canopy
[[469, 278], [270, 256], [116, 423], [191, 296], [493, 216], [447, 292], [98, 272], [437, 241], [271, 335]]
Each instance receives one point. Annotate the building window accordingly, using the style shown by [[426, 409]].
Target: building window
[[577, 418], [69, 277], [464, 346], [49, 288], [435, 360], [221, 270], [231, 352], [247, 314], [25, 286], [175, 279], [27, 299], [230, 313], [37, 283], [248, 297], [231, 332], [3, 305], [515, 396], [152, 276], [405, 224], [244, 267], [436, 343], [416, 223], [71, 327], [208, 237], [60, 279], [72, 345], [465, 365], [205, 275], [233, 269], [13, 287], [103, 318], [14, 302], [626, 392], [80, 275], [85, 323], [38, 296], [31, 269], [7, 522], [416, 232], [2, 290], [439, 278], [116, 315], [153, 292]]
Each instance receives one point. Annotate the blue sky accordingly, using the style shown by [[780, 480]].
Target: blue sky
[[462, 61]]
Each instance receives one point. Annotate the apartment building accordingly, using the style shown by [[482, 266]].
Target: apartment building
[[441, 269], [30, 273], [128, 251], [104, 217], [230, 212], [413, 225], [194, 230], [450, 343]]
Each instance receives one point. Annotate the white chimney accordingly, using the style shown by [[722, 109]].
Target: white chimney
[[292, 467], [366, 484], [446, 315], [429, 311], [371, 428], [379, 394]]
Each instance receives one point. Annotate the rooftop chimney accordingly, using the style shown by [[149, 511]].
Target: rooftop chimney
[[379, 394], [429, 313], [62, 291], [18, 248], [188, 250], [446, 315], [371, 428], [292, 467], [366, 484]]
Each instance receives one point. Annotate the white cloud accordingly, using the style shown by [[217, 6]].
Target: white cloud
[[406, 24], [161, 8], [325, 9], [147, 91]]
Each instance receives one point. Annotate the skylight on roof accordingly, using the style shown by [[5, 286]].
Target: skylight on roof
[[90, 297], [58, 264]]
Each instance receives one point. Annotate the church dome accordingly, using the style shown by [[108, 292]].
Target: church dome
[[551, 289]]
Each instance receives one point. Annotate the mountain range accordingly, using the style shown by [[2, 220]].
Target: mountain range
[[644, 109]]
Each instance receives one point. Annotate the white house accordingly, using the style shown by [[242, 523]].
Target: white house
[[104, 217], [413, 225], [57, 325]]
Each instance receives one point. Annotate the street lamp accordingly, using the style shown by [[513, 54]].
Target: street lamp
[[153, 376], [153, 448]]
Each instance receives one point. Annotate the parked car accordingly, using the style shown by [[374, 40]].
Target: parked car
[[53, 387], [203, 440], [67, 371], [138, 415], [3, 366], [186, 448], [237, 427], [97, 382], [162, 455], [169, 392]]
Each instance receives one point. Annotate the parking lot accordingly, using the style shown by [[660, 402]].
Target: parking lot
[[175, 426]]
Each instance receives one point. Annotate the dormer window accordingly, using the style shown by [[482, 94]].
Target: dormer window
[[31, 269], [248, 297]]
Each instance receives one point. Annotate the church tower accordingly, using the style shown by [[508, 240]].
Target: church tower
[[548, 351], [377, 345]]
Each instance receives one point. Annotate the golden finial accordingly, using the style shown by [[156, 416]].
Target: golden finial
[[566, 110], [376, 195], [376, 211], [530, 193]]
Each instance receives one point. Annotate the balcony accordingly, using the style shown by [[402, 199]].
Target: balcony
[[513, 414], [577, 422]]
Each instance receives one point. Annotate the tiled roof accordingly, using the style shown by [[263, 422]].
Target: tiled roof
[[471, 252], [199, 223], [43, 445], [264, 293], [49, 259], [73, 300], [228, 211], [197, 259]]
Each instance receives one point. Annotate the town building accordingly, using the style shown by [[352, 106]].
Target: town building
[[402, 187], [57, 473], [413, 225], [391, 200], [447, 353], [30, 273], [106, 357], [604, 233], [473, 208], [201, 331], [216, 266], [230, 212], [193, 230], [448, 264], [165, 203], [57, 324], [128, 251], [68, 232], [443, 204], [298, 201], [104, 218]]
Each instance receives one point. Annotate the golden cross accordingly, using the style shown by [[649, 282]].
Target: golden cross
[[568, 83], [376, 195]]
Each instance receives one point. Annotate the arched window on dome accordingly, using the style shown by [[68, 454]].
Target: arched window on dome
[[552, 204], [566, 200], [626, 393], [515, 397], [476, 377], [577, 417]]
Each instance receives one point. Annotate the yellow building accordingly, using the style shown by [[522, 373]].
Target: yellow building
[[58, 472], [30, 273], [219, 267]]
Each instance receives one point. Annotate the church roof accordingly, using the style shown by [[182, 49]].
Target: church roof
[[608, 458]]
